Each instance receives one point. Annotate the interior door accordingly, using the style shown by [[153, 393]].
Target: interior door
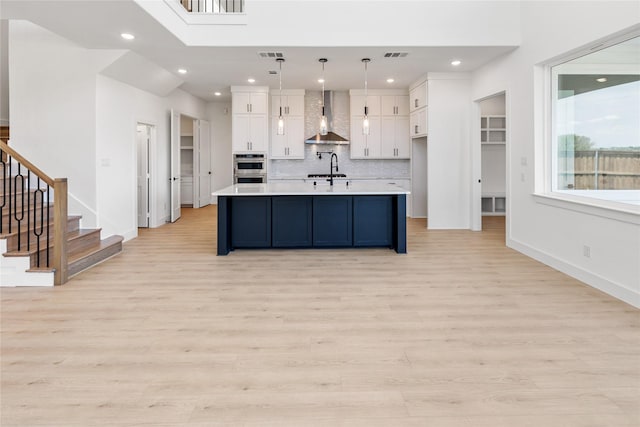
[[204, 163], [174, 178], [143, 138]]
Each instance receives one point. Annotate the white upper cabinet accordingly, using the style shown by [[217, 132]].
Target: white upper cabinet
[[249, 128], [358, 103], [389, 136], [365, 146], [291, 144], [249, 103], [292, 104], [418, 96], [395, 105], [249, 132], [396, 141]]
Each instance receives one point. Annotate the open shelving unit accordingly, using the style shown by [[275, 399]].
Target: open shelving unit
[[494, 204], [493, 137], [493, 129]]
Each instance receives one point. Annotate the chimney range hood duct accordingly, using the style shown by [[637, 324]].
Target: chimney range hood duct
[[331, 138]]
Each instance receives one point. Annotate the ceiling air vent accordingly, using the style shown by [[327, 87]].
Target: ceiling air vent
[[396, 54], [272, 72], [271, 54]]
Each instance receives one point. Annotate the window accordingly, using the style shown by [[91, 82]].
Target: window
[[595, 143]]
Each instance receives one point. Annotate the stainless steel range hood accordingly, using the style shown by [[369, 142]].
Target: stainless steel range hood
[[331, 138]]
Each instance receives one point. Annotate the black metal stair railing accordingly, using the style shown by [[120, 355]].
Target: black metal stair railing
[[25, 210], [33, 212]]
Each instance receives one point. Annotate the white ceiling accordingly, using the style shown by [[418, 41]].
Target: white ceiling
[[98, 25]]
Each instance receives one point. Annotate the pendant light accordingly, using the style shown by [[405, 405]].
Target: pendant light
[[323, 119], [280, 130], [365, 119]]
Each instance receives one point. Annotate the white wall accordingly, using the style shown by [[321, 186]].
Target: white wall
[[72, 122], [551, 234], [448, 150], [4, 72], [119, 108], [340, 23], [219, 115], [53, 109]]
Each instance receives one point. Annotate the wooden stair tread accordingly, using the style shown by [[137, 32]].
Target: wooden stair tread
[[71, 236], [104, 243], [89, 257]]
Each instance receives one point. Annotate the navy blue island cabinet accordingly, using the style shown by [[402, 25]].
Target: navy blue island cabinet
[[312, 221]]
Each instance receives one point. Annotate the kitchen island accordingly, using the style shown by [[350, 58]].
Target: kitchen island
[[304, 215]]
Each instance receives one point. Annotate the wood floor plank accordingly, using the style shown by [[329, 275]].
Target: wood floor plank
[[460, 331]]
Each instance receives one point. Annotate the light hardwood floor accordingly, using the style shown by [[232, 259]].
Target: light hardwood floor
[[461, 331]]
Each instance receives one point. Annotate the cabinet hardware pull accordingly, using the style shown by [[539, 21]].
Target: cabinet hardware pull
[[415, 101], [416, 131]]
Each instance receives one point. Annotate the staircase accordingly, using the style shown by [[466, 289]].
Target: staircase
[[40, 245]]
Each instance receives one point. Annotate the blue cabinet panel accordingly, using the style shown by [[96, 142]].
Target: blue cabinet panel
[[251, 222], [291, 221], [372, 221], [332, 221]]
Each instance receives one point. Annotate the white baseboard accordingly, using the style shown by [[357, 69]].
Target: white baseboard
[[132, 234], [616, 290]]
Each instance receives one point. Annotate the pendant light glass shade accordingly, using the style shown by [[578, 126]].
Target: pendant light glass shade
[[280, 130], [365, 118], [323, 120]]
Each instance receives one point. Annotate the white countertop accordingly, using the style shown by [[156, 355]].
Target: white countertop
[[308, 189]]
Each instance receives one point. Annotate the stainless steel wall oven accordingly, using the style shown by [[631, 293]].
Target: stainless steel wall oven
[[249, 168]]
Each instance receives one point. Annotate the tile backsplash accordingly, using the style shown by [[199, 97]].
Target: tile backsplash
[[340, 125]]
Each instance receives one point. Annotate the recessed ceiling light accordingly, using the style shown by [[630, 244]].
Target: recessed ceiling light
[[390, 80], [182, 71], [320, 80], [217, 93], [251, 80], [456, 63], [601, 79], [127, 36]]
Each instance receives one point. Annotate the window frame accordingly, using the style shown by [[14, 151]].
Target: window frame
[[546, 192]]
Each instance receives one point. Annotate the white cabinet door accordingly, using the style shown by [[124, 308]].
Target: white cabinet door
[[249, 102], [295, 137], [258, 133], [291, 144], [388, 103], [395, 105], [388, 132], [418, 123], [278, 142], [402, 138], [366, 146], [295, 105], [396, 141], [357, 105], [358, 143], [258, 103], [418, 97], [240, 130], [241, 103], [402, 105]]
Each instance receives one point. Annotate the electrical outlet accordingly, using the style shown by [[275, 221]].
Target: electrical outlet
[[586, 251], [523, 161]]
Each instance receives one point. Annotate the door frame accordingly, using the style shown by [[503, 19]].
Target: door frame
[[476, 162], [152, 153]]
